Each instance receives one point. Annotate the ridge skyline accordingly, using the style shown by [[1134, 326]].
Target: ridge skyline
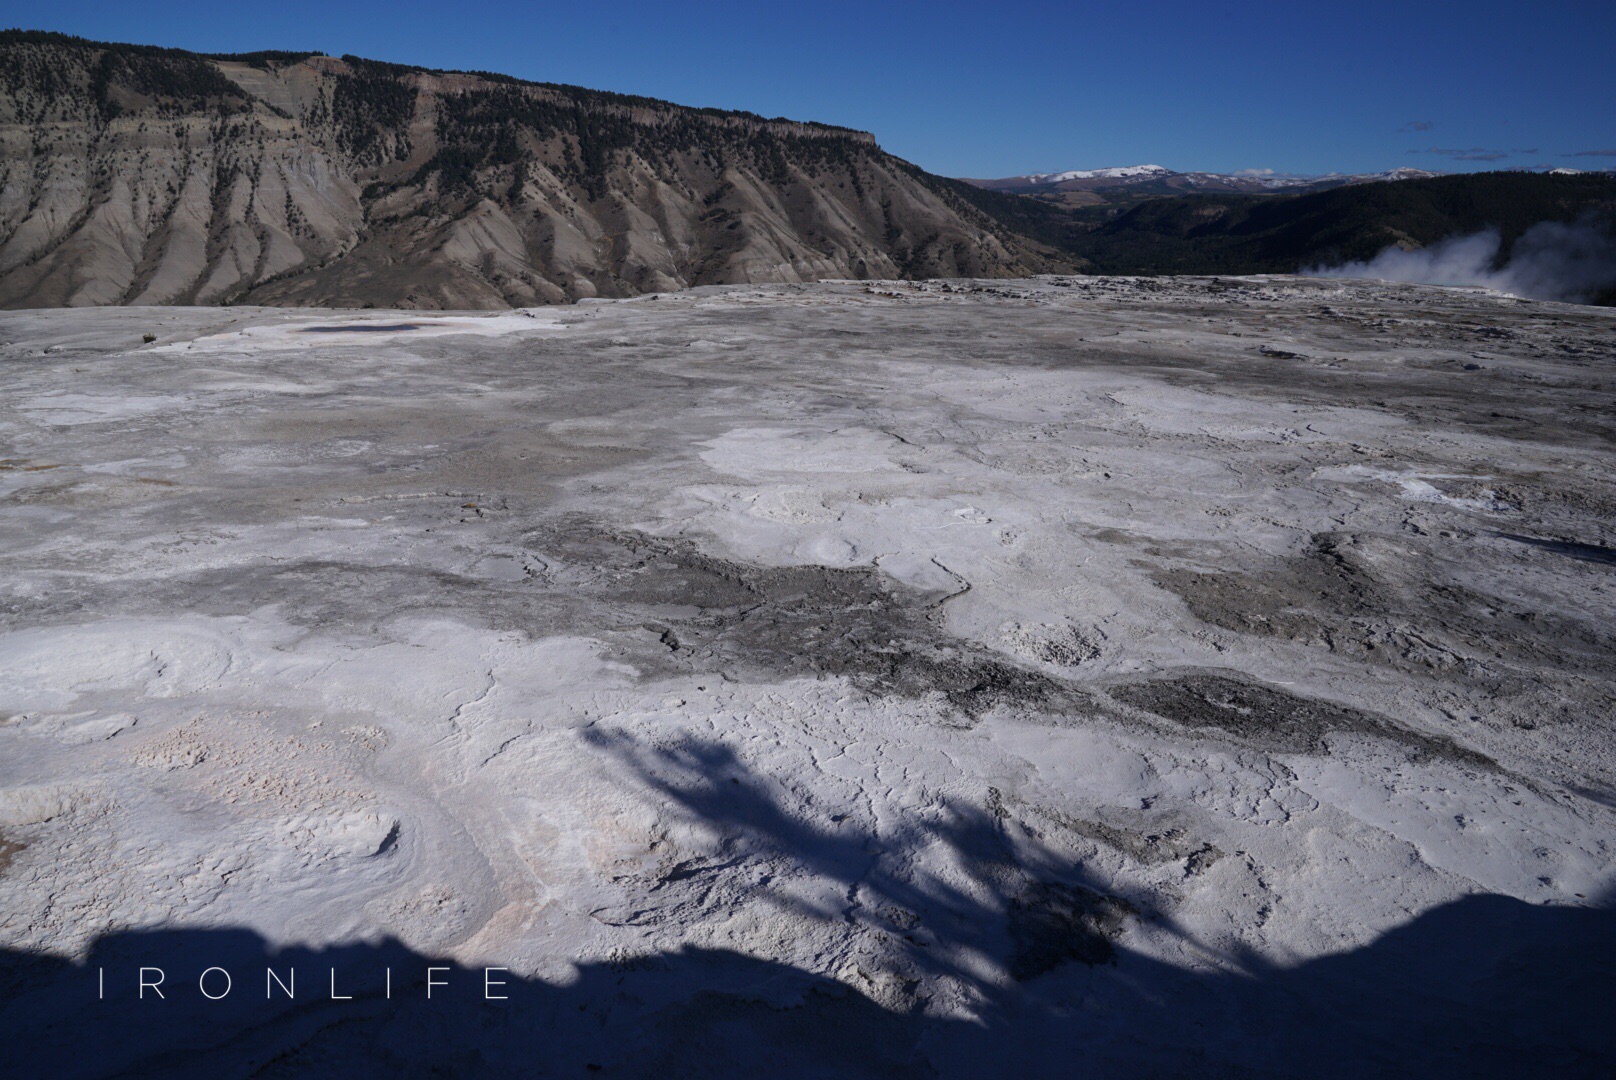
[[976, 95]]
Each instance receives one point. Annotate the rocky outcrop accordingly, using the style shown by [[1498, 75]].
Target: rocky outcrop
[[137, 175]]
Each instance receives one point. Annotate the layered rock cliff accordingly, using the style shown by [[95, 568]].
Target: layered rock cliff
[[138, 175]]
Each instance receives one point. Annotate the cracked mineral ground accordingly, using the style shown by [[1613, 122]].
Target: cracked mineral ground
[[1068, 676]]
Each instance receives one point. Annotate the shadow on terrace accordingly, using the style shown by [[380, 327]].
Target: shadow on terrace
[[1484, 986]]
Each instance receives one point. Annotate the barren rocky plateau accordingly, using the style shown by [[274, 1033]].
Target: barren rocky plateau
[[963, 678]]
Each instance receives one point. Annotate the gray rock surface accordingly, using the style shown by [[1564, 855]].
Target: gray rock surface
[[1144, 670]]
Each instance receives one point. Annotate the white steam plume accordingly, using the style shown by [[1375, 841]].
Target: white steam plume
[[1551, 261]]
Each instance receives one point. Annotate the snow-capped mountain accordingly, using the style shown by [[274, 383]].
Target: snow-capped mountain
[[1158, 179], [1120, 173], [1281, 180]]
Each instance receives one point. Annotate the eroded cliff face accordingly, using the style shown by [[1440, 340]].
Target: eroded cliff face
[[150, 176]]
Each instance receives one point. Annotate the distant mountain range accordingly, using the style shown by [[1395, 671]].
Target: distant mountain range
[[1131, 183], [1282, 233], [133, 174]]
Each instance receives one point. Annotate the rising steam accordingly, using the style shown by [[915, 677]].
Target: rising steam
[[1551, 261]]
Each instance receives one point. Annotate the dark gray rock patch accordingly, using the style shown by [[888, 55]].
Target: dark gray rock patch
[[791, 621], [361, 328], [1273, 719], [1398, 604], [1053, 924], [1593, 553], [8, 849], [1151, 847]]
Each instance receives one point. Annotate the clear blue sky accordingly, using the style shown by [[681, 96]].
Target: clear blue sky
[[1007, 88]]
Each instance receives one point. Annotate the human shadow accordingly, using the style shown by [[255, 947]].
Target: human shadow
[[1483, 986]]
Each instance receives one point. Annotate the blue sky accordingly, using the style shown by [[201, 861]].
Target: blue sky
[[1000, 89]]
